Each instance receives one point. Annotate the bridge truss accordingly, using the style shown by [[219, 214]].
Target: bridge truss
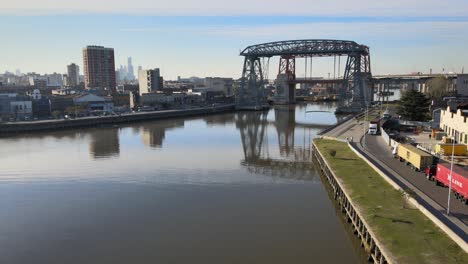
[[356, 79]]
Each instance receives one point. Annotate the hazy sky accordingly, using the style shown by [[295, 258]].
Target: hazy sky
[[204, 37]]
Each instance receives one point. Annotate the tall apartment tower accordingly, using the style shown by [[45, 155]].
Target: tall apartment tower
[[150, 81], [73, 75], [99, 68]]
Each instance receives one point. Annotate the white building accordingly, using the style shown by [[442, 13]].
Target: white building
[[150, 81], [217, 84], [455, 124], [54, 79]]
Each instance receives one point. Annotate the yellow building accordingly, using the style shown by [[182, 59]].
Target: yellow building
[[455, 124]]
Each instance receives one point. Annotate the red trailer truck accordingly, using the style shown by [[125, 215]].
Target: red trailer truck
[[441, 177]]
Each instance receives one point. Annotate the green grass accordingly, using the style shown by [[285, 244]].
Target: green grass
[[409, 236]]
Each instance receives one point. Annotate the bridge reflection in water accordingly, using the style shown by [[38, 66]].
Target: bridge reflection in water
[[295, 155]]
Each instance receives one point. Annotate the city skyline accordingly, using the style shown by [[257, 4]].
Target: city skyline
[[190, 42]]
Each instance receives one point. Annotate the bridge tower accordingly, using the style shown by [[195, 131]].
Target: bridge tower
[[251, 94], [358, 78], [285, 82]]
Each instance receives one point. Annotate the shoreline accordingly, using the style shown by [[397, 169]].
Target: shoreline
[[53, 125], [381, 215]]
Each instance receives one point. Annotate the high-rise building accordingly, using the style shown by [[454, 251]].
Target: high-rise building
[[150, 81], [130, 72], [99, 68], [73, 75]]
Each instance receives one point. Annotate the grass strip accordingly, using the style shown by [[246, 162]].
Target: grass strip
[[407, 234]]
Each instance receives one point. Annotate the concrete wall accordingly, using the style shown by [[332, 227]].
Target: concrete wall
[[17, 127]]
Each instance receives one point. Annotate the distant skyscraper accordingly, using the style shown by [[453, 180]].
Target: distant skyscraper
[[99, 68], [150, 81], [130, 72], [73, 75]]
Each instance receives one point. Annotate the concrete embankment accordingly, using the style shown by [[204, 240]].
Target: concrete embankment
[[390, 228], [32, 126]]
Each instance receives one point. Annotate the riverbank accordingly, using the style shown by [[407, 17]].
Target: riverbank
[[33, 126], [404, 233]]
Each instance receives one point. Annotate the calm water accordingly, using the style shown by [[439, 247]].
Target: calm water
[[231, 188]]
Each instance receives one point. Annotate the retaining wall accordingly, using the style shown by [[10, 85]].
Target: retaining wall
[[32, 126], [361, 229]]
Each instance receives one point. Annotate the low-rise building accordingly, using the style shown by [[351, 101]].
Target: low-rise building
[[92, 102], [454, 123], [462, 84], [217, 84], [15, 106]]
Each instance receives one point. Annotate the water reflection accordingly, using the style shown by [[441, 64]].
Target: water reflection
[[214, 189], [153, 134], [104, 143], [293, 160]]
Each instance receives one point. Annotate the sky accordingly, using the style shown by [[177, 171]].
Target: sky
[[204, 37]]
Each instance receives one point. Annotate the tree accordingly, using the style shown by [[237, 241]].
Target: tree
[[414, 106], [437, 87]]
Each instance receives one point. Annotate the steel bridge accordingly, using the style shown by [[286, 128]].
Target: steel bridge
[[356, 78]]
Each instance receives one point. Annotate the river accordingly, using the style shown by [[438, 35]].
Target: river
[[228, 188]]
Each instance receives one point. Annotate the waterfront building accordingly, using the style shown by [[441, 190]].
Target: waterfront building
[[150, 81], [15, 106], [217, 84], [92, 103], [454, 123], [73, 75], [41, 108], [99, 68]]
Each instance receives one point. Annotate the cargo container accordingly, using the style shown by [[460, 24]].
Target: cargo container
[[441, 177], [416, 158], [446, 149]]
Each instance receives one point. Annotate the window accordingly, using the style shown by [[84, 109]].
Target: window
[[466, 139]]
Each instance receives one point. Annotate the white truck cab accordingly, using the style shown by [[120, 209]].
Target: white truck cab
[[372, 129]]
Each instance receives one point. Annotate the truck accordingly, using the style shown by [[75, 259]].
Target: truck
[[414, 157], [441, 176], [374, 126]]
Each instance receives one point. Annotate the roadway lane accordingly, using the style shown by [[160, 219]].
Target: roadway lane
[[377, 146]]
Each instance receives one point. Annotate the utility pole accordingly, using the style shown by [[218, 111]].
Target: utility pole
[[450, 177]]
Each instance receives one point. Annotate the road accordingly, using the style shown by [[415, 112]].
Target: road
[[432, 197]]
